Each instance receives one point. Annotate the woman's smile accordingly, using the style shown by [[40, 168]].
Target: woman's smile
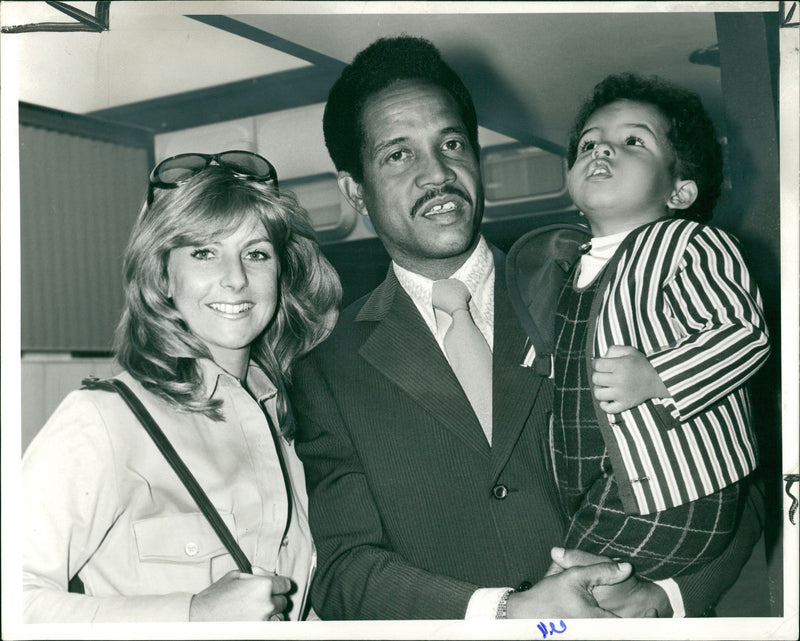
[[226, 291], [231, 309]]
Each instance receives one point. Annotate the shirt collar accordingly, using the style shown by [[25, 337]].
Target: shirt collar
[[474, 273], [603, 247], [600, 252], [258, 383], [477, 273]]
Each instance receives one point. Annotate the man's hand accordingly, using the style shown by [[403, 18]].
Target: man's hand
[[624, 378], [242, 597], [631, 598], [568, 594]]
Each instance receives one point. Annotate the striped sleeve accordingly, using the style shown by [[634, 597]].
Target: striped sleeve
[[717, 305]]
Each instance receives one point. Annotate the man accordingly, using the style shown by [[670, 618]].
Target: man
[[430, 498]]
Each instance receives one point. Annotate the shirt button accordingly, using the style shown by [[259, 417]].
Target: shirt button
[[500, 492], [525, 585], [285, 542], [191, 548]]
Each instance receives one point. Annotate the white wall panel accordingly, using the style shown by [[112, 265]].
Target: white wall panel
[[46, 380], [79, 199]]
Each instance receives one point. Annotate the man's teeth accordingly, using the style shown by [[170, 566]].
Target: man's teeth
[[599, 170], [438, 209], [231, 309]]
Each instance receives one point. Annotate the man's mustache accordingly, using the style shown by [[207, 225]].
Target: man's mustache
[[435, 193]]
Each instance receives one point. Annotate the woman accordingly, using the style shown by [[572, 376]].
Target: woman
[[225, 288]]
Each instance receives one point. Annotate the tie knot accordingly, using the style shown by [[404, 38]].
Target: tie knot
[[450, 295]]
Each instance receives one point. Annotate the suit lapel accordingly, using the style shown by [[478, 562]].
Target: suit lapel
[[403, 349], [515, 387]]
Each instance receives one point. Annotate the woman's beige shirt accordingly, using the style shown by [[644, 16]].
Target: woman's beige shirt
[[101, 501]]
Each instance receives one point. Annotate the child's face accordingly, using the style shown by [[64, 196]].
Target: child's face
[[621, 178]]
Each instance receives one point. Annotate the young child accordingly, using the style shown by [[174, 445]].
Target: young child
[[659, 327]]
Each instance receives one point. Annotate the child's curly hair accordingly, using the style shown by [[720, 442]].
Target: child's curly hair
[[698, 154]]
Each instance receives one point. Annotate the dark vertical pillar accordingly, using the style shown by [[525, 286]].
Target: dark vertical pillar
[[750, 209]]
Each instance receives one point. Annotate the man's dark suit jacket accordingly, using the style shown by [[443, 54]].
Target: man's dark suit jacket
[[410, 508]]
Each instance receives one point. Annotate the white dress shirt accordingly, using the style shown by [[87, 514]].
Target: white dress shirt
[[477, 273]]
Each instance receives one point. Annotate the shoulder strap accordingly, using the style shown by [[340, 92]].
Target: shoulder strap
[[537, 266], [186, 477]]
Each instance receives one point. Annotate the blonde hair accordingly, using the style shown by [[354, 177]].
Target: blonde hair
[[152, 341]]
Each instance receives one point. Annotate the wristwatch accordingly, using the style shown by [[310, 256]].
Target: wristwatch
[[502, 606]]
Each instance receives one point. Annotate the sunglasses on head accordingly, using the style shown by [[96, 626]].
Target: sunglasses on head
[[178, 169]]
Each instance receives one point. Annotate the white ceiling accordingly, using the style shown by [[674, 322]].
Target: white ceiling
[[151, 50], [527, 64], [533, 68]]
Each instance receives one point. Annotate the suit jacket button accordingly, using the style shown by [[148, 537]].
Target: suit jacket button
[[500, 492], [525, 585]]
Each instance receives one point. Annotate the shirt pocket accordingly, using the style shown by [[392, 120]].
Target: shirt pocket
[[179, 538]]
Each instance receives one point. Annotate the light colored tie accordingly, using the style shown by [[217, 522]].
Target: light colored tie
[[467, 350]]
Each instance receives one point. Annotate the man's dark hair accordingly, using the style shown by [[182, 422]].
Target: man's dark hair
[[375, 68], [698, 154]]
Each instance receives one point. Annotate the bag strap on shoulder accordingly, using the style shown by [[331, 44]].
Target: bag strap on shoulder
[[187, 478]]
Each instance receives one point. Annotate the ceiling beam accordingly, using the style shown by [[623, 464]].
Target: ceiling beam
[[236, 27], [242, 99]]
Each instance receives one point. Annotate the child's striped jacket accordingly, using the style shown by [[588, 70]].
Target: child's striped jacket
[[679, 292]]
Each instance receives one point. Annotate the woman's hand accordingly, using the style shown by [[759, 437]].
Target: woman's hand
[[242, 597]]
